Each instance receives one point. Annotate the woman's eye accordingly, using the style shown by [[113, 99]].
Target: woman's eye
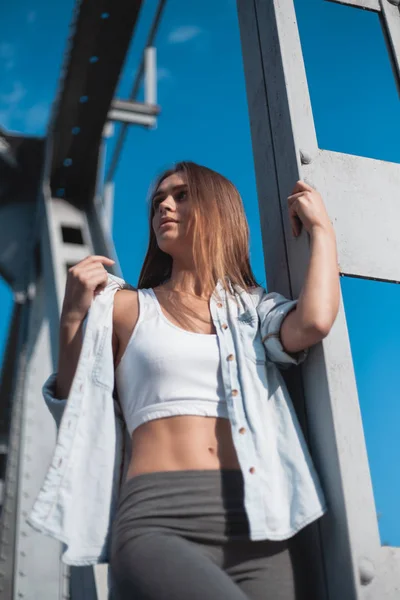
[[181, 195]]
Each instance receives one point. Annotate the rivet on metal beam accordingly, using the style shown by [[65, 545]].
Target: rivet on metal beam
[[67, 162], [305, 158], [366, 570]]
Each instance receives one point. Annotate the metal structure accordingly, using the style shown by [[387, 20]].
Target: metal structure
[[54, 210], [346, 559]]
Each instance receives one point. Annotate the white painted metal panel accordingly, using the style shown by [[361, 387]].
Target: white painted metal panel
[[362, 196]]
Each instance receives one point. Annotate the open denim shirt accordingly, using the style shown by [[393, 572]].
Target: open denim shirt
[[78, 499]]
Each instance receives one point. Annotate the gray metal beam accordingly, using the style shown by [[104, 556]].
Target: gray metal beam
[[305, 547], [137, 113], [285, 149], [100, 40], [135, 107]]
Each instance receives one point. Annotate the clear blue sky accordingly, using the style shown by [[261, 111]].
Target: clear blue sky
[[204, 118]]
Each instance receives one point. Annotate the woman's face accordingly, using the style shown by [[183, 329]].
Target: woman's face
[[171, 220]]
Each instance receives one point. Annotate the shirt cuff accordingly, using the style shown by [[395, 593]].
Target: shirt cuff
[[272, 340]]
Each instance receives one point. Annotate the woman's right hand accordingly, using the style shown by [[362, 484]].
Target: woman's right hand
[[84, 281]]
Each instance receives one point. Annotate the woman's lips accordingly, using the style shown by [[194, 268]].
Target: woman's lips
[[166, 223]]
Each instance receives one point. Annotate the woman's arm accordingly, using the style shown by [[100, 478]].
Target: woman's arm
[[318, 303], [84, 281]]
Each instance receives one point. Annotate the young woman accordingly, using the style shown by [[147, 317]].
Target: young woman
[[219, 476]]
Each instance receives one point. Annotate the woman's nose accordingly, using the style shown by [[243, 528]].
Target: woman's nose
[[166, 204]]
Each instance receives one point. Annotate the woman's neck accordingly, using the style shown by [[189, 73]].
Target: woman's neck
[[186, 281]]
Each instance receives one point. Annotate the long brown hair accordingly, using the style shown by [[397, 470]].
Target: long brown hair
[[220, 236]]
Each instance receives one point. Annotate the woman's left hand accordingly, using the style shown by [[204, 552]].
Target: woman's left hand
[[307, 208]]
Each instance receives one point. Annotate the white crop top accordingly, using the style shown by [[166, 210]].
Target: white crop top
[[167, 371]]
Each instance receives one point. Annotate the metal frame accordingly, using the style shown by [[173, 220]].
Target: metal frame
[[52, 216], [355, 565]]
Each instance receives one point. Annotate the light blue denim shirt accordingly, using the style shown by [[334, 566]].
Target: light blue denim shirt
[[79, 496]]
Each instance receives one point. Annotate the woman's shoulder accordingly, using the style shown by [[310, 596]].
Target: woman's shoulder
[[125, 297], [125, 316], [126, 305]]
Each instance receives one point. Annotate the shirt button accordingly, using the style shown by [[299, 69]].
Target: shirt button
[[252, 470], [219, 305], [224, 326], [230, 357], [235, 392], [242, 430]]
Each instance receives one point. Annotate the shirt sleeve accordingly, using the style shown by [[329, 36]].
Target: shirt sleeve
[[55, 405], [272, 310]]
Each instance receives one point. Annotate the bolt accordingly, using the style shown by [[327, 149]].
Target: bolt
[[305, 158], [366, 570]]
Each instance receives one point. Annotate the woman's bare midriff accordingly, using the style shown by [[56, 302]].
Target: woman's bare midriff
[[182, 443]]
